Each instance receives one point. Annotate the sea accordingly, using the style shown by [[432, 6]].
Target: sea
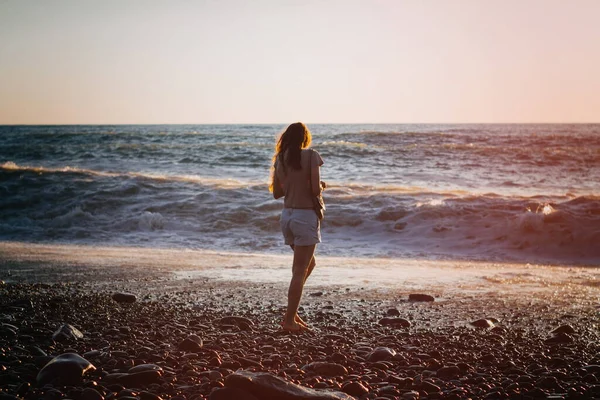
[[508, 192]]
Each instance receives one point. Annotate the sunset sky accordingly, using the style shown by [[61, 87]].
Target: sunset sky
[[262, 61]]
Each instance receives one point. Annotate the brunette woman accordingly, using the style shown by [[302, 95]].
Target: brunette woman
[[296, 177]]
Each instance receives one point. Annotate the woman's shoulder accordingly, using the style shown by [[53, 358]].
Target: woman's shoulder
[[313, 155], [309, 151]]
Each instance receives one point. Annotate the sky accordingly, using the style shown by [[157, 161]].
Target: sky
[[317, 61]]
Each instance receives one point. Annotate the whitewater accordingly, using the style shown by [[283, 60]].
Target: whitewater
[[524, 193]]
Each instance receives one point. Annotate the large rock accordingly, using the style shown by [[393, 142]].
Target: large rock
[[381, 354], [326, 368], [560, 338], [67, 332], [267, 386], [124, 297], [563, 329], [66, 369], [420, 297], [482, 323]]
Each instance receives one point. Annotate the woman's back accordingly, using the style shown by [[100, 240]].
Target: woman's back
[[296, 182]]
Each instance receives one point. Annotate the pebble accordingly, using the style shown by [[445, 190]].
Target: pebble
[[144, 367], [326, 368], [482, 323], [67, 332], [412, 395], [234, 320], [192, 343], [121, 297], [430, 387], [504, 362], [448, 372], [392, 312], [381, 354], [395, 322], [139, 379], [67, 369], [355, 389]]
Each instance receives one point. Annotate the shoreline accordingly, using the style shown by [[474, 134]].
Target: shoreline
[[433, 350]]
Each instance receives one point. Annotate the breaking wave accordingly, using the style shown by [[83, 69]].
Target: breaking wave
[[80, 205]]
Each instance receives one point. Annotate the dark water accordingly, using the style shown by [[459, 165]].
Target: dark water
[[502, 192]]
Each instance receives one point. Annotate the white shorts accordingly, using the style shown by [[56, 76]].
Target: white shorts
[[300, 227]]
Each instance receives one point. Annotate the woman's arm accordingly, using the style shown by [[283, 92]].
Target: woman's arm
[[277, 187], [315, 177]]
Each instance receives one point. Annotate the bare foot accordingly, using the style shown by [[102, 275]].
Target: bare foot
[[300, 321], [295, 327]]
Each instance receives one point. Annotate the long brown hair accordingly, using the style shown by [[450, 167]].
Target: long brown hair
[[295, 138]]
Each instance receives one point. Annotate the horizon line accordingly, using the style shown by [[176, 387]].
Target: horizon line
[[307, 123]]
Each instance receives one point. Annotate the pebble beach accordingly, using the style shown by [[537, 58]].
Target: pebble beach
[[91, 327]]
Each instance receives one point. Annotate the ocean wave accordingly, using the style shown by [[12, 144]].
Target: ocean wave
[[65, 204], [230, 183], [343, 143], [497, 191]]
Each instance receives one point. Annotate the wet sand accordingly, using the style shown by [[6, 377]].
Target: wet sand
[[355, 306]]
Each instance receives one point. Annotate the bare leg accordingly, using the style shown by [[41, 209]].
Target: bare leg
[[302, 259], [311, 266]]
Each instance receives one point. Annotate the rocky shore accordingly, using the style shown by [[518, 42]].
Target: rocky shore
[[86, 341]]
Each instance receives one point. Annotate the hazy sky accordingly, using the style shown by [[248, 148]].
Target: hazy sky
[[279, 61]]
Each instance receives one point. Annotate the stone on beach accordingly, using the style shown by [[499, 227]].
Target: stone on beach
[[242, 323], [448, 372], [135, 380], [66, 369], [121, 297], [412, 395], [192, 344], [145, 367], [392, 312], [395, 322], [264, 385], [559, 338], [355, 389], [140, 379], [482, 323], [420, 297], [67, 332], [510, 360], [381, 354], [234, 320], [326, 368], [563, 329]]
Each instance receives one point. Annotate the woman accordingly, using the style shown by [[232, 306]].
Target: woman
[[296, 177]]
